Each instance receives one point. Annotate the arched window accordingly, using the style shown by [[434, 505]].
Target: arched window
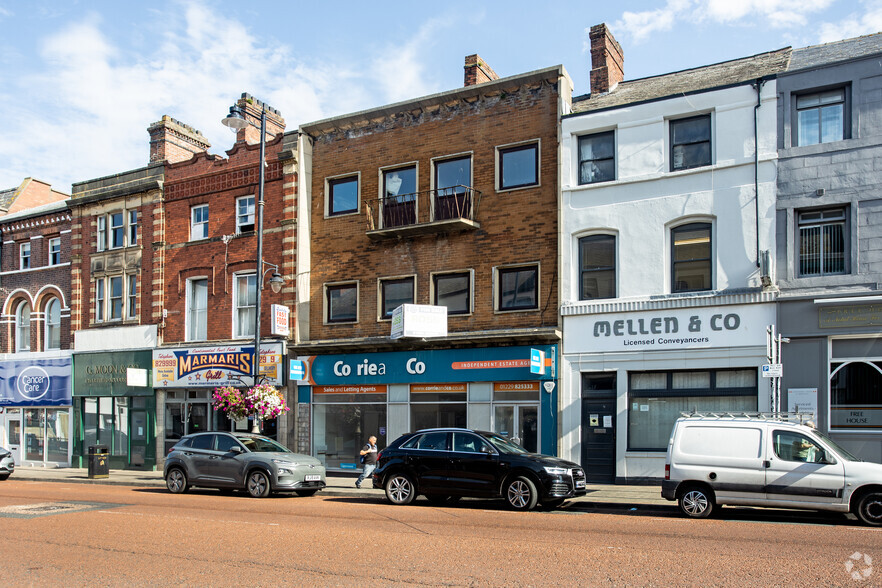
[[53, 324], [23, 327]]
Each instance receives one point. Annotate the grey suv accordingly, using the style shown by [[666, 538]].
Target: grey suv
[[241, 461]]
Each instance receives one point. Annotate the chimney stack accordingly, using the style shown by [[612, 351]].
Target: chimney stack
[[173, 141], [607, 60], [477, 71], [275, 124]]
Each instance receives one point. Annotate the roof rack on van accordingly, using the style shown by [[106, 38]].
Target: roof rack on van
[[802, 418]]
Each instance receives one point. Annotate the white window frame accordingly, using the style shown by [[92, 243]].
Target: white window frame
[[188, 323], [47, 338], [112, 230], [100, 300], [111, 298], [253, 223], [19, 326], [201, 225], [131, 296], [102, 233], [24, 256], [236, 331], [133, 218], [54, 247]]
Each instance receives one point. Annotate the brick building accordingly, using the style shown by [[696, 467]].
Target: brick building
[[35, 362], [449, 200]]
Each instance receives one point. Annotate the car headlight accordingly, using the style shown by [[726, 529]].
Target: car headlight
[[285, 462], [556, 471], [285, 472]]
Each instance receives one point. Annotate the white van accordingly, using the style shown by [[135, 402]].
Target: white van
[[762, 459]]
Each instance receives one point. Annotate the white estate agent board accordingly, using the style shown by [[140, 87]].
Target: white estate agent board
[[680, 328]]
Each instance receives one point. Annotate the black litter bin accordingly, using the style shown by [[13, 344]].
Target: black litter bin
[[98, 463]]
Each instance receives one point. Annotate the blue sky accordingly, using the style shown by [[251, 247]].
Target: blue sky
[[81, 81]]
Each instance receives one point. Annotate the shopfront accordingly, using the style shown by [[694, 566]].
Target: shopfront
[[353, 396], [35, 410], [115, 407], [832, 367], [628, 376], [185, 378]]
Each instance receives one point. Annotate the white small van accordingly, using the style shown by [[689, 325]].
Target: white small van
[[764, 459]]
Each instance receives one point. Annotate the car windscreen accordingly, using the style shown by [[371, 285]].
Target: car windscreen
[[262, 444], [846, 455], [504, 445]]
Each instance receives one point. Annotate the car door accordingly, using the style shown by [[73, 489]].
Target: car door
[[800, 470], [428, 459], [225, 465], [474, 465], [198, 457]]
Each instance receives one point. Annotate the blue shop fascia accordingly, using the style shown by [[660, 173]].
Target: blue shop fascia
[[348, 397]]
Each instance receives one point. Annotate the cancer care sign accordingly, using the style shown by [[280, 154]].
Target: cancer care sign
[[35, 383]]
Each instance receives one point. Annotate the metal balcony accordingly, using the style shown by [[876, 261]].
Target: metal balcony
[[423, 213]]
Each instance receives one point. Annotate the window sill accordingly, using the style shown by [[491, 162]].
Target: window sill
[[513, 311], [502, 190]]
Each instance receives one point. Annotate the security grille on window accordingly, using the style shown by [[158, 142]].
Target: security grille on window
[[453, 291], [342, 303], [343, 195], [518, 166], [55, 251], [597, 161], [199, 222], [245, 214], [24, 256], [597, 260], [820, 117], [394, 293], [197, 310], [245, 305], [690, 142], [691, 268], [518, 288], [822, 242]]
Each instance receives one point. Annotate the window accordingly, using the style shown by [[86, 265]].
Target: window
[[691, 258], [399, 196], [102, 233], [342, 195], [197, 309], [55, 251], [597, 267], [23, 327], [656, 399], [822, 242], [597, 158], [116, 298], [99, 300], [453, 291], [691, 142], [792, 446], [245, 305], [24, 256], [394, 293], [856, 387], [53, 324], [453, 185], [132, 311], [518, 166], [820, 117], [518, 288], [342, 303], [117, 230], [199, 222], [133, 227], [244, 214]]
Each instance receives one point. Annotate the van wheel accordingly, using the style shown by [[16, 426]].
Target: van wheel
[[520, 494], [400, 489], [696, 502], [869, 509]]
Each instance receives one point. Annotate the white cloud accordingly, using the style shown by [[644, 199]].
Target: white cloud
[[640, 25], [84, 112], [855, 24]]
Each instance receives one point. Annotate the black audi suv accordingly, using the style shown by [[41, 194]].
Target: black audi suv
[[445, 465]]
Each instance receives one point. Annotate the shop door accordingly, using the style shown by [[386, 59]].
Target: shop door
[[599, 427], [13, 436], [518, 422]]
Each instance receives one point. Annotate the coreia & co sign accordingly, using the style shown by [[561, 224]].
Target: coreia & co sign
[[664, 325]]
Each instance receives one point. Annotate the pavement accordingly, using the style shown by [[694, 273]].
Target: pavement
[[619, 496]]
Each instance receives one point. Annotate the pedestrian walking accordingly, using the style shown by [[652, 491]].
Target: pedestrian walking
[[368, 455]]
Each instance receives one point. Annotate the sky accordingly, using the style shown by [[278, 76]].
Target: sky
[[81, 80]]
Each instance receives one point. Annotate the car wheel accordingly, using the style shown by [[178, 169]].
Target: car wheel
[[520, 494], [310, 492], [553, 502], [258, 484], [442, 499], [696, 502], [869, 509], [176, 481], [400, 489]]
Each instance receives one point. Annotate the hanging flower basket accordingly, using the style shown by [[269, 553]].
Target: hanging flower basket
[[261, 402]]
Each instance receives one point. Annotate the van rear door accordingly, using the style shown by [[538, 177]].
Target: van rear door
[[797, 470], [729, 458]]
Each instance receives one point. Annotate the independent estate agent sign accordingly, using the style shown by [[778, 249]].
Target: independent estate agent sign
[[682, 328]]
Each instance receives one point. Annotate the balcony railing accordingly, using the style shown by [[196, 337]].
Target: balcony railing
[[430, 211]]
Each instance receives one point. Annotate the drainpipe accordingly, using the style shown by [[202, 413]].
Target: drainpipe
[[758, 86]]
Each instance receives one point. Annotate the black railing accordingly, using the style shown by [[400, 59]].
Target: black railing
[[423, 208]]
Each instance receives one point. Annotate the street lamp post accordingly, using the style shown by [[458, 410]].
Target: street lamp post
[[235, 121]]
